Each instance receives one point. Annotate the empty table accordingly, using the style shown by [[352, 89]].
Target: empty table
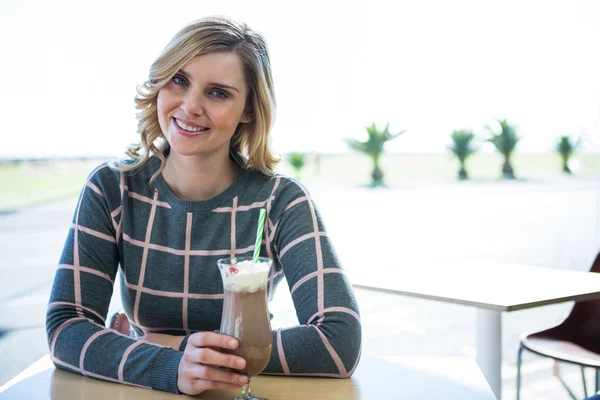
[[491, 287]]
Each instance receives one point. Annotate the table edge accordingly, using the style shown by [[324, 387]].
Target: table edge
[[493, 307]]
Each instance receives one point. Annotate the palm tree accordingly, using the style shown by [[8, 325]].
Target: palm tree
[[505, 142], [566, 147], [297, 161], [374, 148], [462, 148]]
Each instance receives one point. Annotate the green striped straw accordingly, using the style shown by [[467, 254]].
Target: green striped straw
[[259, 233]]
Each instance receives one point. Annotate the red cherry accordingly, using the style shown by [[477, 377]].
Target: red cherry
[[233, 270]]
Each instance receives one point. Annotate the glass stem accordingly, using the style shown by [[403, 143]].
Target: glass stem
[[246, 391]]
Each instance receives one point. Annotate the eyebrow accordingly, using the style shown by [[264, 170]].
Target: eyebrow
[[182, 72]]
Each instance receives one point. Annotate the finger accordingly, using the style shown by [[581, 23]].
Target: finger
[[214, 357], [206, 339], [198, 371], [200, 385]]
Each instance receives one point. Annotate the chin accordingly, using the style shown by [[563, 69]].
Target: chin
[[187, 148], [182, 148], [185, 151]]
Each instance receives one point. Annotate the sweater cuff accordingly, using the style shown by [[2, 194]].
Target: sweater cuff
[[165, 370], [184, 342]]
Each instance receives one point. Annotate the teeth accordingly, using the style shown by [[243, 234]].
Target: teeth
[[188, 128]]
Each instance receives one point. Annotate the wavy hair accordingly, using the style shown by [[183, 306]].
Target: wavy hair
[[203, 36]]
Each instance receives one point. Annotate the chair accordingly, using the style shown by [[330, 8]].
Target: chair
[[576, 340]]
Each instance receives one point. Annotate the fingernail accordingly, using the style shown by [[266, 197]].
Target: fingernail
[[240, 363], [232, 343], [242, 379]]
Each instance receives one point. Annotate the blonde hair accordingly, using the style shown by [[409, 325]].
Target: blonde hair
[[203, 36]]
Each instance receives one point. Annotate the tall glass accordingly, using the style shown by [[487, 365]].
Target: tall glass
[[245, 314]]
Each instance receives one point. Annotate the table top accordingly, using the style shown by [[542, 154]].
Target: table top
[[492, 286], [424, 378]]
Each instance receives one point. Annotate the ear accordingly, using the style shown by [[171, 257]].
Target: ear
[[247, 117]]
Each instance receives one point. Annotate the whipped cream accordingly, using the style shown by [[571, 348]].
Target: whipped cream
[[249, 277]]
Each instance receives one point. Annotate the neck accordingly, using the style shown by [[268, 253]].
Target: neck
[[199, 178]]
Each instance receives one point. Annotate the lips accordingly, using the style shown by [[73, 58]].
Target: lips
[[188, 129]]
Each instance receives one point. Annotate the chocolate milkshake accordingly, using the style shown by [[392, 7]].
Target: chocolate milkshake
[[245, 314]]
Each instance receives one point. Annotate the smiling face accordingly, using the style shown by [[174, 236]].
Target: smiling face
[[201, 107]]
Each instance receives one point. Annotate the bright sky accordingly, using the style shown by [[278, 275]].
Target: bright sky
[[70, 69]]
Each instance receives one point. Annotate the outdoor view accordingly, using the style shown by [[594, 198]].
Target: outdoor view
[[431, 133]]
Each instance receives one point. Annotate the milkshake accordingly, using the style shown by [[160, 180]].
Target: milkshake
[[245, 314]]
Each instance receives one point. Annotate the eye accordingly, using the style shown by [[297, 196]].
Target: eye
[[219, 94], [180, 80]]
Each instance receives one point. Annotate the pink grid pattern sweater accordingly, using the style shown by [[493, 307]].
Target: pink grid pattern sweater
[[167, 250]]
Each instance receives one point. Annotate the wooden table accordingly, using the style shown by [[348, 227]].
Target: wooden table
[[491, 287], [410, 378]]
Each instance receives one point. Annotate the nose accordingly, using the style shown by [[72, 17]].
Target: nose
[[193, 103]]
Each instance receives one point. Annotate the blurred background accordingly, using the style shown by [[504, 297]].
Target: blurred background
[[445, 130]]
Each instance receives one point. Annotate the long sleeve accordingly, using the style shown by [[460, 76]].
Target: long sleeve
[[83, 285], [328, 343]]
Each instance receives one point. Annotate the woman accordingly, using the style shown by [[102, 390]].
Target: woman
[[189, 195]]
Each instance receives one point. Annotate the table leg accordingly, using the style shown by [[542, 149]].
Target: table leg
[[489, 348]]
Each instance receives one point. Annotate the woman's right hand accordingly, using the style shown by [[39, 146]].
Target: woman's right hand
[[198, 367]]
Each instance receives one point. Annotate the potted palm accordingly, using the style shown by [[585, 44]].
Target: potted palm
[[297, 161], [566, 147], [505, 142], [374, 148], [462, 147]]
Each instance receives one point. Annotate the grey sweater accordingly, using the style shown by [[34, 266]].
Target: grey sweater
[[167, 250]]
